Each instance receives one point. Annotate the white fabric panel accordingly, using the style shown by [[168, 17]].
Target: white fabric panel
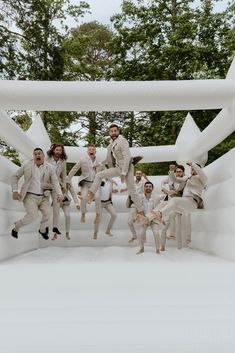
[[214, 220], [225, 195], [220, 244], [116, 96], [7, 168], [150, 154], [12, 134], [6, 201], [221, 169], [11, 247]]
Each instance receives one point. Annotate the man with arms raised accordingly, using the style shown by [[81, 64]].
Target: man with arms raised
[[119, 161], [34, 194]]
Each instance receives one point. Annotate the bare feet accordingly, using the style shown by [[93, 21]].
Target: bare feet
[[83, 218], [68, 236], [97, 218], [132, 239], [163, 248], [108, 232], [179, 247], [141, 251], [90, 197], [95, 236], [157, 251], [172, 237], [54, 237]]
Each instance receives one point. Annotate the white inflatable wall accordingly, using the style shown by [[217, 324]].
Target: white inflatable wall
[[213, 229]]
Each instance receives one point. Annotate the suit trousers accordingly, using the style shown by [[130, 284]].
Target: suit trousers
[[111, 210], [32, 204], [56, 209], [85, 188], [114, 172], [131, 218], [66, 210], [176, 204], [142, 232]]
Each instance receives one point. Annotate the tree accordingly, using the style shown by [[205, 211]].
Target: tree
[[171, 40], [89, 58]]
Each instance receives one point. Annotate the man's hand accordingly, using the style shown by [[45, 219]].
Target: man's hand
[[60, 198], [172, 168], [123, 178], [16, 195]]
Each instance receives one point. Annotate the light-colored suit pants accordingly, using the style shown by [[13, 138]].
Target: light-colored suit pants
[[66, 210], [56, 209], [85, 188], [111, 210], [170, 227], [113, 172], [176, 204], [142, 232], [131, 218], [32, 204]]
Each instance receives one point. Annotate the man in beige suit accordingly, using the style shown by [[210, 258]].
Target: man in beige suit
[[119, 162], [57, 157], [34, 191], [149, 201], [89, 166], [190, 200]]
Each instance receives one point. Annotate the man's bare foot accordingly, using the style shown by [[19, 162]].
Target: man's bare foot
[[132, 239], [188, 241], [172, 237], [54, 237], [97, 218], [157, 251], [179, 247], [68, 236], [141, 251], [95, 236], [108, 232], [90, 197], [163, 248], [83, 218]]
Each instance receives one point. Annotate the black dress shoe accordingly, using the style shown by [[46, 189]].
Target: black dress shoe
[[56, 230], [44, 235], [47, 230], [136, 159], [14, 233]]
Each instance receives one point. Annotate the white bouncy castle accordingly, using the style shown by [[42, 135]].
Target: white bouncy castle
[[121, 307]]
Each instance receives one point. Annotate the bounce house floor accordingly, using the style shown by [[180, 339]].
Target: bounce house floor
[[108, 299]]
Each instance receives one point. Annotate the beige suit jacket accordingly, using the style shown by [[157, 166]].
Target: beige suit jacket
[[27, 171], [84, 166], [195, 183], [60, 171], [121, 153]]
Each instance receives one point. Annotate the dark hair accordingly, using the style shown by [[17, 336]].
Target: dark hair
[[179, 166], [90, 145], [114, 125], [38, 149], [198, 165], [51, 151], [149, 182]]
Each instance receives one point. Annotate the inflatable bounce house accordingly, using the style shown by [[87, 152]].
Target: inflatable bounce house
[[98, 296]]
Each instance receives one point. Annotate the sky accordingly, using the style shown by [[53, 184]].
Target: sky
[[102, 10]]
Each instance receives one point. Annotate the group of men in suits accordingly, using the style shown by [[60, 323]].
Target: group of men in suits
[[45, 177]]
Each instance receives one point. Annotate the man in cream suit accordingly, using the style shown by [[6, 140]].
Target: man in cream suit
[[89, 166], [57, 157], [149, 202], [119, 162], [34, 191], [190, 200]]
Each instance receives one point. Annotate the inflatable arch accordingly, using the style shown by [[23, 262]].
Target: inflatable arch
[[213, 229]]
